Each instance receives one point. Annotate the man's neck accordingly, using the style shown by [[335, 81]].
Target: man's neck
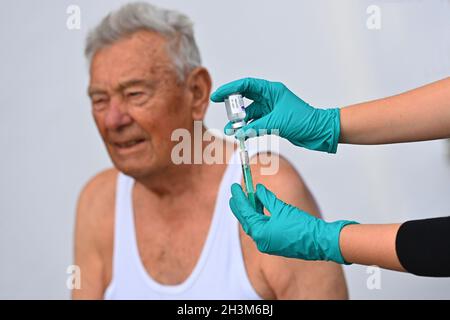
[[175, 181]]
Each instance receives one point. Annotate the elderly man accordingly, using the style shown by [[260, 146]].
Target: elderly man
[[151, 228]]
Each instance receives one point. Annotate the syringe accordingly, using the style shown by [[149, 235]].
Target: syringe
[[245, 162], [236, 114]]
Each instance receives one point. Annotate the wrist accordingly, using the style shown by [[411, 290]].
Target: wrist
[[329, 125], [335, 124], [331, 245]]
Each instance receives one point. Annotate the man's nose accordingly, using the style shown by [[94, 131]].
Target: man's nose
[[117, 115]]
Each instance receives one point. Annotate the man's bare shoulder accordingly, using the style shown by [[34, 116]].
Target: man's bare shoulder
[[98, 190], [95, 209], [94, 233]]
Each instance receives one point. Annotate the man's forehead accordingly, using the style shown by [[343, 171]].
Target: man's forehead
[[140, 55]]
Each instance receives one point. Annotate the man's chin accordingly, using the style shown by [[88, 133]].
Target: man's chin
[[134, 169]]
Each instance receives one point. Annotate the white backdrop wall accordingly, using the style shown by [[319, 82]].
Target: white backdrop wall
[[322, 50]]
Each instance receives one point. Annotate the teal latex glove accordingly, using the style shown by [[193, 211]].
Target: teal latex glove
[[275, 107], [288, 231]]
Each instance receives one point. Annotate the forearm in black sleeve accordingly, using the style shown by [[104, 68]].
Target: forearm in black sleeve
[[423, 247]]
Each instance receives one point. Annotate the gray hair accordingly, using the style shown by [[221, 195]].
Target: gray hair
[[176, 27]]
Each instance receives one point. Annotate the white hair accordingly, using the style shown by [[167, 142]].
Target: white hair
[[176, 27]]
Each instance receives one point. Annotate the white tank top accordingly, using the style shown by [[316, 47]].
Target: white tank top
[[220, 270]]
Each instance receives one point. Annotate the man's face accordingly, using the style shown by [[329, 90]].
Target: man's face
[[137, 102]]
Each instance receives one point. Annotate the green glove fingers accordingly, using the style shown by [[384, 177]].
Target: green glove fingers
[[289, 231], [243, 210], [237, 213], [254, 111], [254, 89], [275, 107], [268, 199]]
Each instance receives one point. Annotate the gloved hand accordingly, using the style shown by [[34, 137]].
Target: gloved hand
[[288, 231], [275, 107]]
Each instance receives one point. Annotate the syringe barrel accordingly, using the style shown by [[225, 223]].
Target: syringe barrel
[[244, 157]]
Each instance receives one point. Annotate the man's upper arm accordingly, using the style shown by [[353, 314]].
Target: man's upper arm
[[93, 233], [294, 278]]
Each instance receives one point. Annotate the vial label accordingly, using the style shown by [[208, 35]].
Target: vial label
[[236, 106], [236, 103]]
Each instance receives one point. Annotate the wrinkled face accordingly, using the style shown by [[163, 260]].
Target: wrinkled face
[[137, 102]]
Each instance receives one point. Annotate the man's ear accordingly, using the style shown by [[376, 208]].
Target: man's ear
[[199, 85]]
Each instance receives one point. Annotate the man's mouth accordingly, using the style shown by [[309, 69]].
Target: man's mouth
[[128, 144]]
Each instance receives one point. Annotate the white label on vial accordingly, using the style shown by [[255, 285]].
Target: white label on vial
[[235, 105]]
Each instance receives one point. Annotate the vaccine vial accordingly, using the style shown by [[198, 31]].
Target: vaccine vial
[[235, 110]]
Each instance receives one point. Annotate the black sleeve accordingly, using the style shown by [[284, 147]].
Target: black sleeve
[[423, 247]]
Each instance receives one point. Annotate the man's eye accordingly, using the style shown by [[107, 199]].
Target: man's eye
[[137, 97], [99, 102], [135, 94]]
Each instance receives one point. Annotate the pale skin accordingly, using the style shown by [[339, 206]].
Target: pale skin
[[417, 115], [136, 96]]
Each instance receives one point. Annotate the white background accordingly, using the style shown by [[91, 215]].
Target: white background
[[322, 50]]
